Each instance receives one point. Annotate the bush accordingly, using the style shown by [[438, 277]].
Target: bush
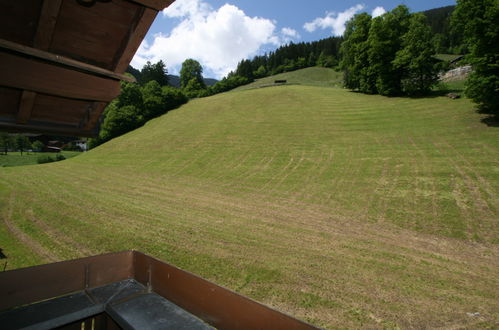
[[47, 159], [44, 159]]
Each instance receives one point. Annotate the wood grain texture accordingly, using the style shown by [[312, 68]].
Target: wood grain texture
[[46, 23], [135, 38], [25, 107], [23, 73], [5, 44], [155, 4]]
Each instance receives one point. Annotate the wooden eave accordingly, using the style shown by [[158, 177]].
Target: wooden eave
[[61, 62]]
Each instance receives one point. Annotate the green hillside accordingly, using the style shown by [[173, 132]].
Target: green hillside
[[343, 209], [314, 76]]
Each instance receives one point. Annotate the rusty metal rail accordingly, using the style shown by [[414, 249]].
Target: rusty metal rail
[[215, 305]]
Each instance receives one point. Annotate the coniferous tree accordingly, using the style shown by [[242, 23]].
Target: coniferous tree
[[155, 72]]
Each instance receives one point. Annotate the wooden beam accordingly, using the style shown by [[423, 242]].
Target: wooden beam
[[40, 54], [46, 24], [24, 73], [47, 129], [135, 37], [92, 116], [158, 5], [25, 107]]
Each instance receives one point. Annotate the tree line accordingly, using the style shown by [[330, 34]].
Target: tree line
[[392, 54], [18, 142]]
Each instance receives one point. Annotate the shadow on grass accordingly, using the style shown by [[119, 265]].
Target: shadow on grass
[[492, 121]]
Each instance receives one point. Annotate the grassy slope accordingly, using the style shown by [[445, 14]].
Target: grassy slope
[[447, 57], [343, 209], [314, 76]]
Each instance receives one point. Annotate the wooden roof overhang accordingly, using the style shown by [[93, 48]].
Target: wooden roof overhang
[[61, 61]]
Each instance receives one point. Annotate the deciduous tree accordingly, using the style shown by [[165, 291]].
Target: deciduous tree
[[478, 21], [416, 59], [191, 69], [354, 52]]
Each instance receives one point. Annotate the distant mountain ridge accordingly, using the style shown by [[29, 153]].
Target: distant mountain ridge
[[173, 80]]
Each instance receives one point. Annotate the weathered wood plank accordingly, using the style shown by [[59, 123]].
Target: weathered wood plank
[[58, 110], [5, 44], [158, 5], [135, 38], [25, 107], [94, 115], [9, 99], [37, 76], [46, 129], [93, 34], [18, 20], [46, 24]]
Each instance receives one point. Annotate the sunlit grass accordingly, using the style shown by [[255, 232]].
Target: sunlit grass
[[30, 158], [343, 209]]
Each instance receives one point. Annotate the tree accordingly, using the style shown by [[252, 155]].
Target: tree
[[153, 101], [244, 69], [37, 145], [191, 69], [415, 60], [172, 97], [130, 94], [477, 21], [156, 72], [6, 142], [193, 88], [385, 38], [354, 52], [260, 72], [118, 121], [21, 143]]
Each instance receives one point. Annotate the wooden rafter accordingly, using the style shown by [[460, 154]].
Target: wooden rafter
[[46, 24], [47, 128], [25, 107], [92, 115], [158, 5], [57, 59], [43, 37], [37, 76], [134, 39]]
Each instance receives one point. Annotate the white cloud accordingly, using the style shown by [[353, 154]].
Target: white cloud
[[288, 35], [218, 39], [335, 21], [290, 32], [378, 11]]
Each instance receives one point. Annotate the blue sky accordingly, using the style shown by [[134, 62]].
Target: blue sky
[[220, 33]]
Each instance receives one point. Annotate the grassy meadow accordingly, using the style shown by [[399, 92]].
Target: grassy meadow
[[314, 76], [30, 158], [342, 209]]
